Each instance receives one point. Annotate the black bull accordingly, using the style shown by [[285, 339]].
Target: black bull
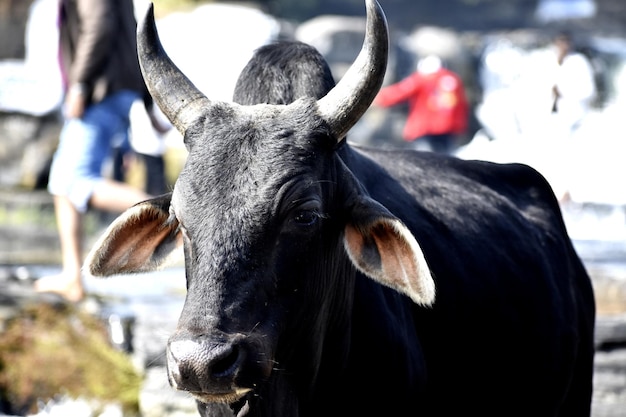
[[308, 293]]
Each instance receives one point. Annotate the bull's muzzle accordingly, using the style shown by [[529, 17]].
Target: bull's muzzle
[[207, 368]]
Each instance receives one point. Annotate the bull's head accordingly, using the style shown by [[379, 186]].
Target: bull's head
[[274, 228]]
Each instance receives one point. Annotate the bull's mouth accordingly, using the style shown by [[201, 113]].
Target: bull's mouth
[[227, 398], [237, 400]]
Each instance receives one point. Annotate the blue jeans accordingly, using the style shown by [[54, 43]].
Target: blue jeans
[[85, 144]]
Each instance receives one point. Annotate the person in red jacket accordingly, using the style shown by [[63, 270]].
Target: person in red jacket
[[438, 108]]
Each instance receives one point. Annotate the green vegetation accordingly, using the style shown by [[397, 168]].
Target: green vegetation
[[51, 350]]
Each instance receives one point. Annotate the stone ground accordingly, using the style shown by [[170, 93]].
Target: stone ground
[[151, 314]]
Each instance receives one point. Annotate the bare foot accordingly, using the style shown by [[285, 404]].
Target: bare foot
[[69, 288]]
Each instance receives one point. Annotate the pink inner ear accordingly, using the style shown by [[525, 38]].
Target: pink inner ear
[[395, 253], [130, 244], [388, 253], [358, 252], [379, 252], [135, 245]]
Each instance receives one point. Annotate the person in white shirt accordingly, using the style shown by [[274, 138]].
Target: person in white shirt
[[574, 86]]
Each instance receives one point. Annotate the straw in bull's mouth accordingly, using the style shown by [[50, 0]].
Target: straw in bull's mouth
[[240, 408]]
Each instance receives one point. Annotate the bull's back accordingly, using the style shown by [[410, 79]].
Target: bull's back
[[514, 303]]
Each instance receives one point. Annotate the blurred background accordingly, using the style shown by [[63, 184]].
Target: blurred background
[[492, 44]]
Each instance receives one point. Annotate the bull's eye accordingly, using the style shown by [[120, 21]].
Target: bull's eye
[[306, 218]]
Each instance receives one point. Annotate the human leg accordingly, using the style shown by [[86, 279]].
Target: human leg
[[76, 183], [67, 186], [107, 195], [69, 224], [110, 195]]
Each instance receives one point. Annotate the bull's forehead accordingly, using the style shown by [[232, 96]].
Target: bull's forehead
[[242, 158]]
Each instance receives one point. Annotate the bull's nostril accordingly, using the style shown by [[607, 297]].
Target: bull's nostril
[[200, 365], [225, 364]]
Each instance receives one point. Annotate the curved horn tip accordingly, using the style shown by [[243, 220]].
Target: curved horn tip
[[150, 11], [177, 97], [146, 29], [148, 16], [374, 10], [374, 5], [344, 105]]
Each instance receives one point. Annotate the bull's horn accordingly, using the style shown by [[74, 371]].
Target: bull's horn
[[178, 98], [344, 105]]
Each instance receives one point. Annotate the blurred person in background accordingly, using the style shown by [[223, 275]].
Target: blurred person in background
[[438, 107], [102, 80], [574, 86]]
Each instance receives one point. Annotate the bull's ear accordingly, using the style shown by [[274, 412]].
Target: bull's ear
[[384, 249], [142, 239]]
